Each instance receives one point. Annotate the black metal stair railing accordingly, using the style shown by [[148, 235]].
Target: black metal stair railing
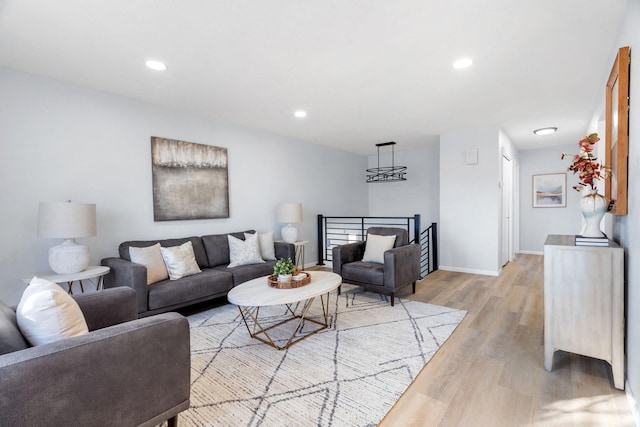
[[429, 249], [334, 231]]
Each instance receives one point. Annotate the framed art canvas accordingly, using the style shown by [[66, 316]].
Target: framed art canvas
[[190, 181], [550, 190], [617, 132]]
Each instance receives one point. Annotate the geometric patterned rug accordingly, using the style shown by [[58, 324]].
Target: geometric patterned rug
[[349, 374]]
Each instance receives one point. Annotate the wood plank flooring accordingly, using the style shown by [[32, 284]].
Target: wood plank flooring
[[490, 372]]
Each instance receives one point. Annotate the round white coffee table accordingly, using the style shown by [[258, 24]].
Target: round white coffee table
[[250, 296]]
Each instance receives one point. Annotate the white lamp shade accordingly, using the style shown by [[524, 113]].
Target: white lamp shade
[[290, 212], [66, 220]]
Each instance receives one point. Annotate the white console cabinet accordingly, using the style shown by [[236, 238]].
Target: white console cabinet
[[584, 302]]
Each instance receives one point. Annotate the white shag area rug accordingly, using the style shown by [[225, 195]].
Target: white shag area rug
[[349, 374]]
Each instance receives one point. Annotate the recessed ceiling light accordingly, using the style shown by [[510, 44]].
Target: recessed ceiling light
[[300, 114], [462, 63], [545, 131], [155, 65]]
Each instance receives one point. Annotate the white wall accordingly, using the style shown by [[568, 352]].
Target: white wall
[[627, 228], [61, 142], [419, 194], [537, 223], [470, 201]]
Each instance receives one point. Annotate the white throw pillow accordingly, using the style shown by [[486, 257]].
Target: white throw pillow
[[150, 257], [266, 244], [180, 261], [376, 247], [46, 313], [243, 252]]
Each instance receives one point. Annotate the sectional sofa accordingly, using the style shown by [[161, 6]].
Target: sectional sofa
[[215, 279]]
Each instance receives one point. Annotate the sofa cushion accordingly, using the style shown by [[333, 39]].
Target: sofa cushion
[[10, 337], [402, 234], [247, 272], [376, 246], [180, 261], [217, 247], [196, 242], [205, 284], [46, 313], [150, 257], [244, 252], [267, 245], [366, 272]]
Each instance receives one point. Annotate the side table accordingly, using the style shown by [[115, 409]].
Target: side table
[[299, 244], [90, 272], [299, 247]]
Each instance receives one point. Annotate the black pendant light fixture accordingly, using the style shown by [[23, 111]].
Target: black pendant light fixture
[[391, 173]]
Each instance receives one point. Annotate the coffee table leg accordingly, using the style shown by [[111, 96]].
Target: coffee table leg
[[250, 315], [257, 327], [325, 310]]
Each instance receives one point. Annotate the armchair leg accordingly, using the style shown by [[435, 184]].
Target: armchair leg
[[339, 289], [393, 296], [173, 421], [414, 287]]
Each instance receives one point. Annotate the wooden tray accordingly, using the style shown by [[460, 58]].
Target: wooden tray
[[273, 281]]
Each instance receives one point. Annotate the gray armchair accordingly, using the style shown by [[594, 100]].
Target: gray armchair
[[124, 372], [401, 264]]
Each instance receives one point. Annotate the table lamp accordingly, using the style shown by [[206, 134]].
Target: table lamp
[[290, 213], [68, 221]]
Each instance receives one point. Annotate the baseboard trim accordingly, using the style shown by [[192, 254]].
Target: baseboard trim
[[633, 404], [469, 270], [531, 252]]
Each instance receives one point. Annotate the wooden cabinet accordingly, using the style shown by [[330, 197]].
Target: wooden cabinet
[[584, 302]]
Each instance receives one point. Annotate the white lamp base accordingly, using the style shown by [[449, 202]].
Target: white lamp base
[[289, 233], [68, 257]]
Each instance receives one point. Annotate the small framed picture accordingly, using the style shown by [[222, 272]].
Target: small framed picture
[[550, 190]]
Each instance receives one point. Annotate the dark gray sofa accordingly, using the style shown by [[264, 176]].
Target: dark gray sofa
[[215, 280], [124, 372]]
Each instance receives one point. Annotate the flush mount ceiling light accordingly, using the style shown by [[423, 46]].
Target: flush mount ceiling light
[[387, 173], [300, 114], [155, 65], [462, 63], [545, 131]]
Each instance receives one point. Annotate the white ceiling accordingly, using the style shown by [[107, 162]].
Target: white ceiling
[[367, 71]]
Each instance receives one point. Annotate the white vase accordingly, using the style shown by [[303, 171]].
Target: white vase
[[284, 277], [593, 207]]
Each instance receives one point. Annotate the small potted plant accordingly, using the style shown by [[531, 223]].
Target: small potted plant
[[284, 269]]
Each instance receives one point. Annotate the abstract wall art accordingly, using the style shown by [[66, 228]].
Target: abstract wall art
[[190, 181], [550, 190]]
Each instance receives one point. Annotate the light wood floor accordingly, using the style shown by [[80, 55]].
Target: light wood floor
[[490, 372]]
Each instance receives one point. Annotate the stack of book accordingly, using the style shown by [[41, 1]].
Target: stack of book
[[591, 241]]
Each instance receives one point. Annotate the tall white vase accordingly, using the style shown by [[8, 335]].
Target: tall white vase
[[593, 207]]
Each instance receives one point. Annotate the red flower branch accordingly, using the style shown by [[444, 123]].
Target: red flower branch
[[586, 164]]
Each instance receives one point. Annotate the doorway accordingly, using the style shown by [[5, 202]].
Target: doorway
[[507, 211]]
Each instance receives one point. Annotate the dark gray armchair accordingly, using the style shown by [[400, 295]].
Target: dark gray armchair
[[124, 372], [401, 264]]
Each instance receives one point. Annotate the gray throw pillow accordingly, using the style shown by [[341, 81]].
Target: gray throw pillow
[[11, 338], [244, 252]]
